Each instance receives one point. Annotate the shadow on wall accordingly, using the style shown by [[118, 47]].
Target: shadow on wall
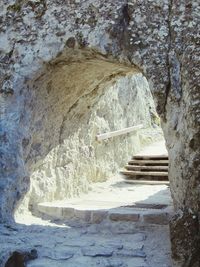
[[77, 96]]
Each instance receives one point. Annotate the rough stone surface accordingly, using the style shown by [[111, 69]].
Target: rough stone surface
[[98, 216], [98, 251], [59, 254], [65, 164], [132, 253], [162, 218], [161, 37], [64, 245], [185, 238], [124, 217]]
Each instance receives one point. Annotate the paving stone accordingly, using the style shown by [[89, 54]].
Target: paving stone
[[93, 229], [114, 245], [83, 232], [54, 212], [125, 228], [124, 217], [134, 246], [138, 237], [68, 213], [97, 251], [111, 263], [59, 254], [45, 262], [84, 215], [39, 263], [131, 253], [79, 244], [98, 216], [156, 218]]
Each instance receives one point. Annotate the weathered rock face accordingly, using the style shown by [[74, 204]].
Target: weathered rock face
[[160, 37]]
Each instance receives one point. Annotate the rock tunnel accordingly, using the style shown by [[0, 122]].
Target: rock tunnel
[[157, 38], [80, 94]]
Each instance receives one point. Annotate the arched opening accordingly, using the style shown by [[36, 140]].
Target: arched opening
[[79, 95], [156, 36]]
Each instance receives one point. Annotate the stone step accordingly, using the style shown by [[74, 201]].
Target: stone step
[[146, 168], [146, 182], [151, 157], [143, 173], [134, 213], [149, 162]]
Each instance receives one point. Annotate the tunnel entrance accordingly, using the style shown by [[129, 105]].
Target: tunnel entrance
[[151, 36], [76, 193], [78, 96]]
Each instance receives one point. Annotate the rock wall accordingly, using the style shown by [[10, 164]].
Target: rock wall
[[160, 37]]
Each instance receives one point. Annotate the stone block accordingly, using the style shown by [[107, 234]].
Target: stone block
[[133, 217], [156, 218], [67, 213], [131, 253], [98, 216], [97, 251], [84, 215]]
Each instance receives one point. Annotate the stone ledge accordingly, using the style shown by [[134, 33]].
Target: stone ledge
[[156, 218], [144, 216], [98, 216], [124, 217]]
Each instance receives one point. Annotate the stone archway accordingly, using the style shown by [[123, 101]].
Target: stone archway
[[159, 37], [79, 94]]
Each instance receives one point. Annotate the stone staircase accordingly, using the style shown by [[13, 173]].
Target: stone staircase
[[118, 200], [147, 169]]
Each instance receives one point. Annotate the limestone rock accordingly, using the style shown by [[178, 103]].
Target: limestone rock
[[42, 41], [111, 263], [98, 251], [131, 253], [59, 254]]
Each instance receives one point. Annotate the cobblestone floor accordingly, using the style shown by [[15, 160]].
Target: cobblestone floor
[[81, 245]]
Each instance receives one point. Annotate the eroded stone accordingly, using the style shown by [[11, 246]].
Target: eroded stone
[[98, 251], [59, 254], [131, 253], [161, 38]]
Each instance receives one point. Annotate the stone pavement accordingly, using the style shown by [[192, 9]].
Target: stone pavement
[[113, 244], [115, 201], [122, 239]]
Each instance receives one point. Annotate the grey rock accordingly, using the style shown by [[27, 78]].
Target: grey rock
[[131, 253], [36, 106], [78, 243], [59, 254], [97, 251], [125, 228], [139, 237], [111, 263], [114, 244]]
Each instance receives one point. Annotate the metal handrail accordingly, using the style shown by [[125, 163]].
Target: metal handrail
[[104, 136]]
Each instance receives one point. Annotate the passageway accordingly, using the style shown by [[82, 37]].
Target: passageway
[[77, 97], [58, 55], [116, 199], [75, 185], [115, 224]]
